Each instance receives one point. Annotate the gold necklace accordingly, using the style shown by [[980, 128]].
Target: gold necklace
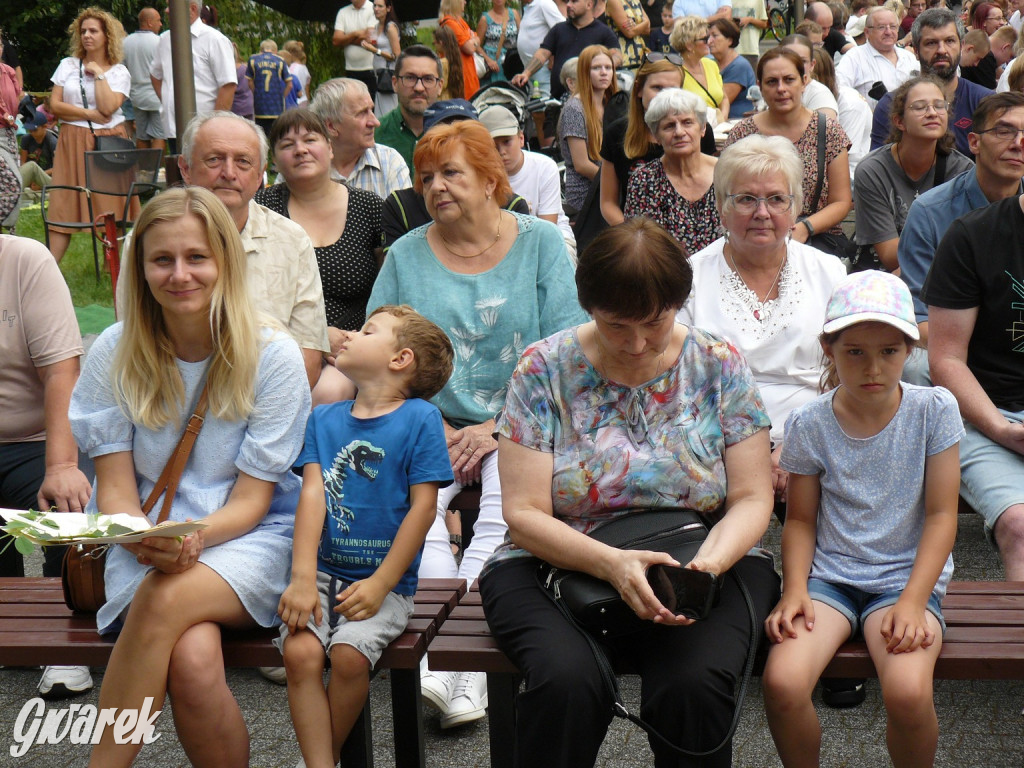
[[759, 310], [453, 252]]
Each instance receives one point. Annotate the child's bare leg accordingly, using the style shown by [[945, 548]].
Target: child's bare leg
[[207, 718], [912, 728], [304, 659], [790, 674], [347, 690]]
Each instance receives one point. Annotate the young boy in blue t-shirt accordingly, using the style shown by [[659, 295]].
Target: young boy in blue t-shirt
[[371, 468]]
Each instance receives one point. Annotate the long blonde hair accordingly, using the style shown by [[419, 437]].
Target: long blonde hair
[[145, 376], [585, 92]]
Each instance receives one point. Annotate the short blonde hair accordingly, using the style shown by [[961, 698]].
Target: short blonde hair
[[754, 157], [111, 28], [687, 31]]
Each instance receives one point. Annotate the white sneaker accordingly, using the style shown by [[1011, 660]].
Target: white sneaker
[[64, 682], [274, 674], [469, 700], [437, 688]]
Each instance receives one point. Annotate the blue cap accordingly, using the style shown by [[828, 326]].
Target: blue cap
[[38, 120], [446, 111]]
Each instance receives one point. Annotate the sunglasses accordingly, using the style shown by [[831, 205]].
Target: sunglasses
[[652, 56]]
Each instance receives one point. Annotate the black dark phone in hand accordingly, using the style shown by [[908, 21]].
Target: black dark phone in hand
[[685, 592]]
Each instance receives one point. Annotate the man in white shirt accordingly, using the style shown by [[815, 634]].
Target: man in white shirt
[[539, 16], [879, 60], [354, 25], [345, 106], [213, 64], [139, 51], [532, 175]]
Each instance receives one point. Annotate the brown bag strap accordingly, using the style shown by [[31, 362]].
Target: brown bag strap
[[171, 475]]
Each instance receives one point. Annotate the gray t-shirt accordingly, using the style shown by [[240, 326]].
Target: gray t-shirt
[[884, 193], [871, 513]]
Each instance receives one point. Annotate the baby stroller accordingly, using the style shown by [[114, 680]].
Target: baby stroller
[[515, 100]]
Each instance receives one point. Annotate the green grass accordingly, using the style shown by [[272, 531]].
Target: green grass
[[76, 265]]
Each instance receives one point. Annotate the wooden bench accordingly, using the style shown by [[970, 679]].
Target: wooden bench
[[984, 641], [36, 628]]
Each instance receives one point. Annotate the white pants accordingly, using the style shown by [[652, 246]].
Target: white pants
[[438, 562]]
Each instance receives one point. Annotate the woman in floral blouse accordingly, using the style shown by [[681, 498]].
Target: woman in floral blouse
[[676, 190], [630, 410]]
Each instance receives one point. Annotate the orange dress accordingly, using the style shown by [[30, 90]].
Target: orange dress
[[470, 80]]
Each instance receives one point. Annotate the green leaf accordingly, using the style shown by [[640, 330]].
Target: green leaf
[[24, 546], [116, 529]]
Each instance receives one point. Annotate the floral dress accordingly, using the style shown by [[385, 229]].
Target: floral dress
[[650, 194], [491, 44]]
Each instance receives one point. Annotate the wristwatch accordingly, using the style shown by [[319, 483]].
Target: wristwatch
[[456, 539], [101, 77]]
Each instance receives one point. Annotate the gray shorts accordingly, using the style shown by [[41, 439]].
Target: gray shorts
[[991, 476], [148, 124], [370, 636]]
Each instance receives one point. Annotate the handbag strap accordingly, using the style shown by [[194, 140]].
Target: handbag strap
[[612, 684], [821, 164], [81, 87], [698, 82], [940, 169], [171, 475]]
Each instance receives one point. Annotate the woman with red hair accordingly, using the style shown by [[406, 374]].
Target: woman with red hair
[[495, 281]]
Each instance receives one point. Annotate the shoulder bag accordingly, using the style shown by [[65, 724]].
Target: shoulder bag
[[595, 608], [84, 564], [114, 144], [837, 245]]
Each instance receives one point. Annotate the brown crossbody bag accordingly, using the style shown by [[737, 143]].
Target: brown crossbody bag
[[84, 564]]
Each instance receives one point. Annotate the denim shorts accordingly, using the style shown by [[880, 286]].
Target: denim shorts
[[368, 636], [856, 604]]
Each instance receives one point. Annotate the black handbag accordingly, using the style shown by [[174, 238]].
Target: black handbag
[[594, 603], [594, 607], [838, 245], [384, 81]]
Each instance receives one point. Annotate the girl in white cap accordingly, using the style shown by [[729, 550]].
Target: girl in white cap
[[874, 477]]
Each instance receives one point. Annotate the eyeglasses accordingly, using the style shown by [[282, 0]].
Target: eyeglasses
[[745, 203], [998, 19], [924, 106], [411, 80], [1003, 132], [885, 27], [674, 58]]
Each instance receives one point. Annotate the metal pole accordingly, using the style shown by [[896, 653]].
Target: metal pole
[[181, 65]]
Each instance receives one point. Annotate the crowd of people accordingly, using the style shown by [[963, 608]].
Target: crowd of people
[[420, 302]]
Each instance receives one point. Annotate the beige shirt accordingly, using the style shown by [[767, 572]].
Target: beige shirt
[[37, 328], [284, 279]]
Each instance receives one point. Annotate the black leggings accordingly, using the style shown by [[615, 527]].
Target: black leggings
[[688, 674]]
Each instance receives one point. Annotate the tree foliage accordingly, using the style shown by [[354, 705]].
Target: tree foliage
[[38, 30]]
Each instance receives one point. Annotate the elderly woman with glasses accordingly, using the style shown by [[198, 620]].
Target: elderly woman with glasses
[[759, 287], [676, 190], [820, 140]]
